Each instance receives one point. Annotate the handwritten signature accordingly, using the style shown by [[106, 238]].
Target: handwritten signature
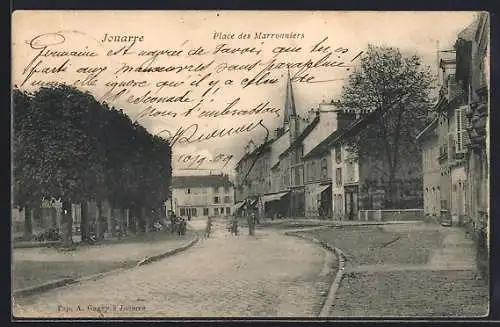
[[188, 135]]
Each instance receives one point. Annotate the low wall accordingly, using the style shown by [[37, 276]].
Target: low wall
[[391, 215]]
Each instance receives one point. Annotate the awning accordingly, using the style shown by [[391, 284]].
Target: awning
[[273, 197], [238, 205], [322, 188]]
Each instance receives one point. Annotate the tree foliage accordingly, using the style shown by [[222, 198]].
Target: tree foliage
[[69, 146], [399, 88], [397, 85]]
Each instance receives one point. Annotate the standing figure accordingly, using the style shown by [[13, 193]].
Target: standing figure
[[234, 225], [208, 229]]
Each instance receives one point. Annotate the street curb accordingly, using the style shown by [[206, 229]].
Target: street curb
[[169, 253], [69, 281], [43, 287], [325, 310], [31, 245]]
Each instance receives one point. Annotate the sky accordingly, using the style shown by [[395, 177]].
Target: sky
[[180, 34]]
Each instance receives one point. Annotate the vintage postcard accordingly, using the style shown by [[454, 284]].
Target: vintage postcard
[[250, 164]]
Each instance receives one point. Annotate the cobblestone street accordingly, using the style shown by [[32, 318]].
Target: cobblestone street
[[266, 275], [411, 270]]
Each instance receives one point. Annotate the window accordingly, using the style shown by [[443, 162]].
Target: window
[[216, 199], [216, 189], [297, 175], [338, 154], [350, 172], [228, 211], [338, 177], [205, 211], [227, 199], [216, 211], [324, 168], [226, 189], [461, 132], [194, 213], [221, 211], [183, 211]]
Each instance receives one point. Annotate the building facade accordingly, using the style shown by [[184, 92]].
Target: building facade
[[429, 141], [359, 180], [202, 196], [262, 177], [472, 78]]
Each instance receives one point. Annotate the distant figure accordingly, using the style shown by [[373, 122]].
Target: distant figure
[[234, 225], [182, 227], [208, 229]]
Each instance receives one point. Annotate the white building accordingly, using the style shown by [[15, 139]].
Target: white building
[[202, 196]]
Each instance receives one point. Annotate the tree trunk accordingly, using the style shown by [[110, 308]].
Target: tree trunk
[[53, 217], [391, 187], [119, 221], [67, 222], [133, 219], [28, 224], [84, 221], [138, 220], [123, 227], [149, 220], [38, 216], [127, 221], [111, 220], [98, 218]]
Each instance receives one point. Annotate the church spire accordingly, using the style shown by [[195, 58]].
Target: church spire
[[290, 112]]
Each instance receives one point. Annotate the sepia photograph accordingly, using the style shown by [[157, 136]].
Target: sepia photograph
[[250, 164]]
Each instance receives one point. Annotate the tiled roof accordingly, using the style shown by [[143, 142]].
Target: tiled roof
[[200, 181], [340, 134], [258, 150], [469, 33], [323, 146]]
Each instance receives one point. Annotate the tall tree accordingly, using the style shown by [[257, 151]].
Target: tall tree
[[25, 165], [399, 87], [64, 118]]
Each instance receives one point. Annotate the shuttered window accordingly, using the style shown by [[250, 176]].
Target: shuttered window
[[461, 125]]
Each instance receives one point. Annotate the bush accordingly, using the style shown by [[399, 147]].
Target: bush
[[48, 235]]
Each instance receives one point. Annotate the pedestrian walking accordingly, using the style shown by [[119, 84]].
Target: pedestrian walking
[[208, 228]]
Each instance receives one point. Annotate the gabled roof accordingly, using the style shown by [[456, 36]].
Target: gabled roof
[[258, 150], [322, 147], [200, 181], [340, 134], [469, 33], [309, 128]]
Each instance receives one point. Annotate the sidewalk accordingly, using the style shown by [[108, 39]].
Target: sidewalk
[[34, 266], [305, 222], [416, 270]]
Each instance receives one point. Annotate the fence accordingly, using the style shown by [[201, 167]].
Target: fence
[[391, 215]]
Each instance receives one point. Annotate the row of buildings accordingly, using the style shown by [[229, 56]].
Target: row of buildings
[[308, 170], [455, 146]]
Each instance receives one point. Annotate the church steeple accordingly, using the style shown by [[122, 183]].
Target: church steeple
[[290, 114]]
